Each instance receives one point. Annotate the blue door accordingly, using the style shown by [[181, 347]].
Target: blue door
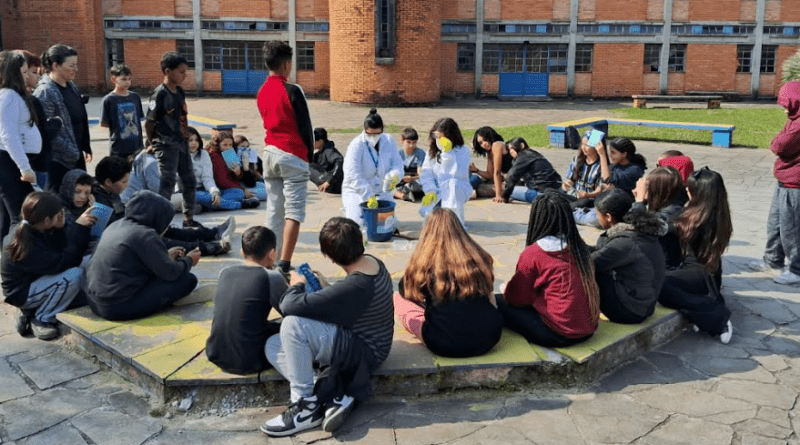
[[523, 71], [242, 68]]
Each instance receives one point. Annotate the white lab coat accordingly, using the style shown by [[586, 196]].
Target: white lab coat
[[362, 178], [449, 179]]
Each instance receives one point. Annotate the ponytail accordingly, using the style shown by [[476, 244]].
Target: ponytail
[[37, 207]]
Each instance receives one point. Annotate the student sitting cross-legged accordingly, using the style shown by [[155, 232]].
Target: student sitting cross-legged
[[552, 299], [132, 273], [245, 295], [446, 296], [344, 329]]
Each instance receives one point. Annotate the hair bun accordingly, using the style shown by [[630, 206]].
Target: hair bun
[[373, 111]]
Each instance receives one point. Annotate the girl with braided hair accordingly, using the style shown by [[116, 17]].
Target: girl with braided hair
[[552, 299]]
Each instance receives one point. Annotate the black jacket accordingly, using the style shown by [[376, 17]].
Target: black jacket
[[670, 243], [631, 252], [110, 200], [330, 161], [131, 252], [49, 253], [534, 170], [67, 194]]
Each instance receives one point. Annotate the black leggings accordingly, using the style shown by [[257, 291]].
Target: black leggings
[[528, 323], [694, 293], [12, 192], [154, 297], [612, 307]]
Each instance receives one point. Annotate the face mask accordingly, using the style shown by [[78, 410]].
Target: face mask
[[373, 139]]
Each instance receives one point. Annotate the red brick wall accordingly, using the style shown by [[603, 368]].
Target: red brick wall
[[36, 26], [621, 10], [454, 83], [650, 82], [321, 9], [183, 8], [279, 9], [583, 84], [790, 11], [112, 7], [680, 10], [747, 12], [655, 10], [490, 84], [586, 10], [617, 69], [768, 85], [561, 10], [491, 9], [742, 83], [526, 10], [458, 9], [557, 85], [710, 67], [784, 52], [248, 8], [352, 44], [148, 7], [144, 58], [772, 11], [675, 83], [717, 10], [212, 80], [317, 82], [208, 8], [305, 9]]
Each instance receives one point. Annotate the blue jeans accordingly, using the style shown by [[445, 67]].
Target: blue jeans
[[783, 229], [52, 294], [259, 191], [302, 343], [586, 217], [522, 193], [230, 199], [475, 180]]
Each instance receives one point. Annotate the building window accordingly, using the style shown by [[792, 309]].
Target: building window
[[465, 57], [557, 60], [305, 56], [255, 56], [115, 52], [384, 29], [744, 55], [677, 58], [652, 57], [186, 49], [768, 58], [583, 58], [512, 58], [491, 58], [233, 56]]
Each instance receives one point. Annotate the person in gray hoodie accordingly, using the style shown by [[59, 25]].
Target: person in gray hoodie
[[132, 273], [629, 262]]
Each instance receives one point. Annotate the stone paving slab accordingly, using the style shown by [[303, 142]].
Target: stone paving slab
[[62, 434], [61, 405], [59, 367], [104, 427], [12, 386]]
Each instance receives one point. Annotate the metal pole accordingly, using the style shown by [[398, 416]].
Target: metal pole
[[198, 46]]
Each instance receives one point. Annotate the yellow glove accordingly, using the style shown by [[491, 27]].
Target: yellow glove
[[429, 199], [446, 144], [373, 202]]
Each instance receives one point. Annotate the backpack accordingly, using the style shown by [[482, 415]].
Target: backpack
[[572, 139]]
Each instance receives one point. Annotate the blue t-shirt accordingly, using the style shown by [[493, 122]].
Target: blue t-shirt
[[124, 116], [413, 161]]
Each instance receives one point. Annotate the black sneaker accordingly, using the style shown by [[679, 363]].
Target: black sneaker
[[250, 203], [192, 225], [44, 331], [300, 416], [215, 248], [22, 322], [336, 412]]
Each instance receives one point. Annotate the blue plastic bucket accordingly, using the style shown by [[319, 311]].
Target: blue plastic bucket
[[379, 222]]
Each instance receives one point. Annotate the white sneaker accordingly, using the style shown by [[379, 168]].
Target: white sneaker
[[763, 266], [336, 412], [726, 335], [787, 277], [300, 416]]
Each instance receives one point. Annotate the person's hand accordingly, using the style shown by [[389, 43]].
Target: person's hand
[[235, 168], [296, 278], [581, 194], [28, 176], [87, 157], [321, 278], [408, 178], [91, 200], [601, 149], [245, 160], [194, 255], [499, 200], [149, 149], [176, 253], [322, 187], [473, 168], [429, 199], [608, 187], [87, 219], [215, 199], [640, 192], [248, 194]]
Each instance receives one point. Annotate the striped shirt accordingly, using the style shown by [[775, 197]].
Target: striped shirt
[[589, 177], [376, 324]]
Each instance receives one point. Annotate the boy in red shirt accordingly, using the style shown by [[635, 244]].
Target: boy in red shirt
[[289, 147]]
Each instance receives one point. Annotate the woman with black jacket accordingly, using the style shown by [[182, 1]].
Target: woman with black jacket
[[532, 169], [326, 168]]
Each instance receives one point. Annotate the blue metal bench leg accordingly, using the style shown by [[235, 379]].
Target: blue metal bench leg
[[721, 138]]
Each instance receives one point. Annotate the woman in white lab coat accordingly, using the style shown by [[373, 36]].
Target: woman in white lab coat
[[445, 172], [372, 166]]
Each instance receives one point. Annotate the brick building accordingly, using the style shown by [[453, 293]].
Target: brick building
[[416, 51]]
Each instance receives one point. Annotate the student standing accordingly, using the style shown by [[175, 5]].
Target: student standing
[[289, 148], [121, 112], [167, 132]]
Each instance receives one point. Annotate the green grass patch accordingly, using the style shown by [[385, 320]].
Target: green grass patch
[[755, 127]]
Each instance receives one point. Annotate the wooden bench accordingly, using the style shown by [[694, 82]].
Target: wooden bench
[[640, 100], [721, 135]]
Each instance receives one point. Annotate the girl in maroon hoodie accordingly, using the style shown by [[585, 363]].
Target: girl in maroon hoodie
[[783, 222]]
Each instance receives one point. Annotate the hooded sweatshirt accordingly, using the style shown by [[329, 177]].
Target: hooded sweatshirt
[[131, 252], [67, 194], [631, 251], [786, 145]]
